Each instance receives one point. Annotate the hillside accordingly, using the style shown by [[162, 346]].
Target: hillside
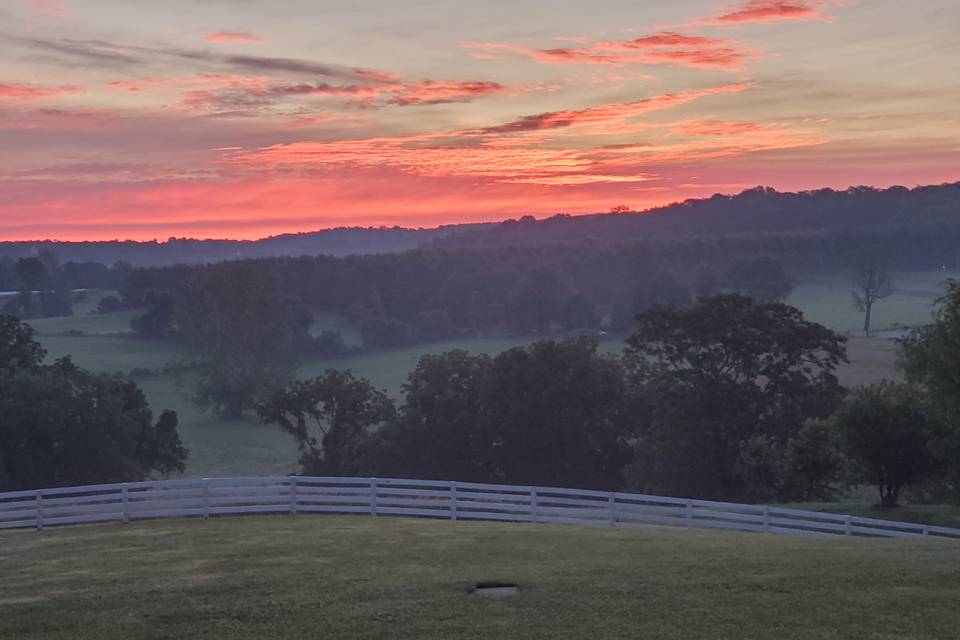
[[761, 210], [360, 577], [336, 242], [753, 212]]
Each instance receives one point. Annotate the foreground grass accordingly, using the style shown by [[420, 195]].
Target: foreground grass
[[360, 577], [941, 515]]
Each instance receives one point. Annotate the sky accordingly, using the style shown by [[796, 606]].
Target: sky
[[137, 119]]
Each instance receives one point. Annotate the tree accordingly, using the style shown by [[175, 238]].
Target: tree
[[722, 375], [548, 413], [930, 359], [555, 415], [61, 425], [18, 350], [662, 288], [331, 418], [247, 335], [870, 275], [578, 312], [442, 431], [764, 280], [930, 355], [891, 437], [536, 300]]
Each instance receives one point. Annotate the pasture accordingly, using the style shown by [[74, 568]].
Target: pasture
[[361, 577], [228, 447]]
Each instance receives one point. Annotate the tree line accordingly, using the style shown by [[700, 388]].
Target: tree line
[[727, 399]]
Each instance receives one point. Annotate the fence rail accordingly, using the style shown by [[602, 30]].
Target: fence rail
[[209, 497]]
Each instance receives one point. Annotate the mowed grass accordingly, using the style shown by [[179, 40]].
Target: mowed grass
[[360, 577]]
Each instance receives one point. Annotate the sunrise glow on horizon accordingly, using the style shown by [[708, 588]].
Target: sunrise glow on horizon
[[243, 119]]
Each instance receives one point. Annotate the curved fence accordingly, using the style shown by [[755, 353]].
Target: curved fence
[[209, 497]]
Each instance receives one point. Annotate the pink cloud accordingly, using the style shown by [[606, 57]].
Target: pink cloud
[[514, 152], [432, 92], [14, 91], [658, 48], [245, 94], [50, 8], [767, 11], [719, 128], [221, 37]]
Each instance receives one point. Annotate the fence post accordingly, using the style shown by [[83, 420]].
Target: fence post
[[926, 531], [39, 509], [533, 504], [206, 498], [689, 513], [453, 500], [373, 496], [766, 519], [612, 501], [848, 526], [293, 494], [126, 504]]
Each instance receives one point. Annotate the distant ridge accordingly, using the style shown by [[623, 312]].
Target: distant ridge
[[754, 211], [757, 210]]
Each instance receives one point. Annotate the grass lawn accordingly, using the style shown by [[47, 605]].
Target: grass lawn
[[358, 577]]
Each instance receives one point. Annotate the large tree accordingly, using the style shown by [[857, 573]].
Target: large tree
[[930, 358], [713, 378], [61, 425], [548, 413], [332, 419], [764, 280], [247, 335], [442, 430], [892, 437]]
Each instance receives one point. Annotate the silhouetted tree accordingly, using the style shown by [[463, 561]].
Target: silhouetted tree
[[870, 273], [891, 437], [247, 335], [331, 418], [64, 426], [764, 280], [715, 377]]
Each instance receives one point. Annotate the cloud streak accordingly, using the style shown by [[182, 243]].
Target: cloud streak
[[223, 37], [669, 48], [13, 91], [767, 11]]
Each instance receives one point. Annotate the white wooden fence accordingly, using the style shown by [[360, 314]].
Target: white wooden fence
[[423, 498]]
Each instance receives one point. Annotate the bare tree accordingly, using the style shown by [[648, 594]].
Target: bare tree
[[870, 267]]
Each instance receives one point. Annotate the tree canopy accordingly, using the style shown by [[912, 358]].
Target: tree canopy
[[61, 425], [714, 378]]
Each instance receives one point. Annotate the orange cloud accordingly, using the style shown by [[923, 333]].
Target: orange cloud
[[516, 153], [221, 37], [611, 113]]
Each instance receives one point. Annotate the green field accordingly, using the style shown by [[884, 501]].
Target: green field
[[828, 300], [359, 577], [230, 447]]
